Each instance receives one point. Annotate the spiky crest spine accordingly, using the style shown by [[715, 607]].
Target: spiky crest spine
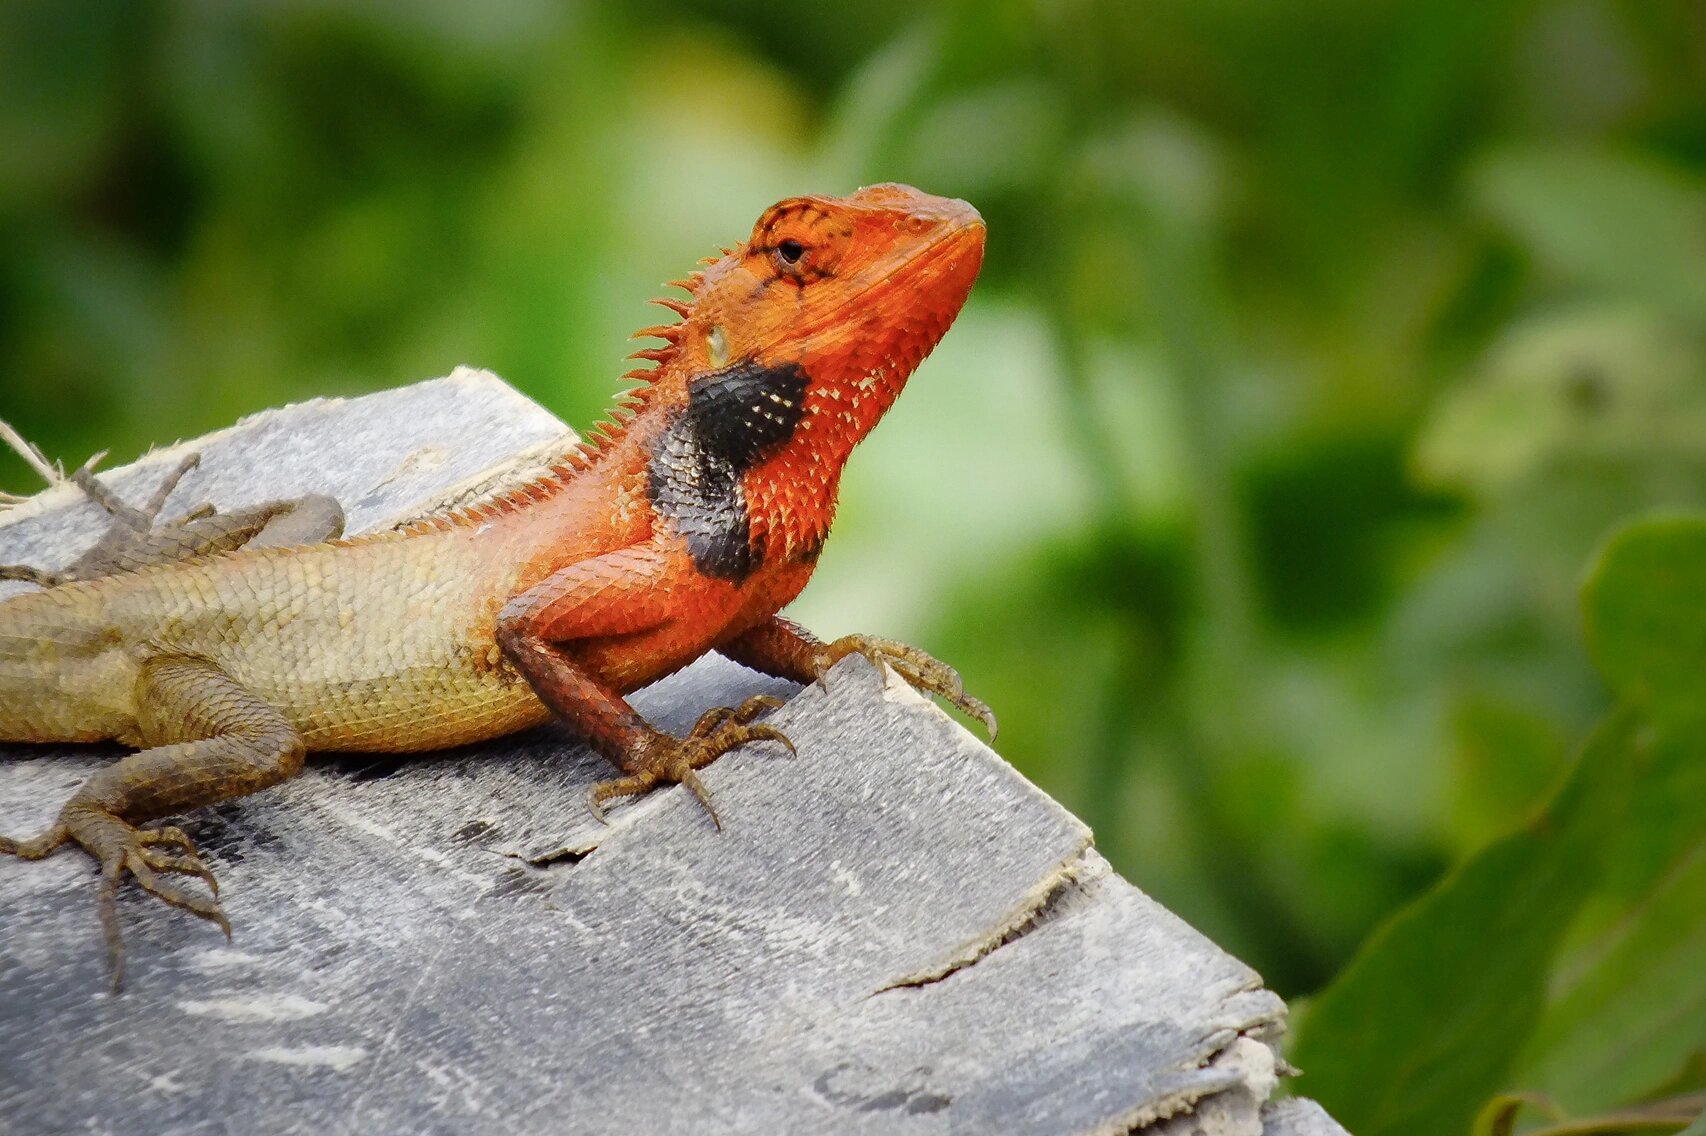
[[599, 437]]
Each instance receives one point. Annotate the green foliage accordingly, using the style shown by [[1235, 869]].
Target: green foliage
[[1565, 956], [1319, 347], [1610, 219], [1423, 1024], [1646, 615]]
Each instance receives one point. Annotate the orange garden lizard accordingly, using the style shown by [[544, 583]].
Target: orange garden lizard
[[682, 526]]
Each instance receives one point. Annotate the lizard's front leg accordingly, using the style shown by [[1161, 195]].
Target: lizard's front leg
[[624, 593], [209, 739], [783, 648]]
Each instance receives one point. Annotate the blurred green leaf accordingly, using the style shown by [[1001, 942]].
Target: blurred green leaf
[[1611, 380], [1504, 756], [1646, 614], [1602, 217], [1426, 1020], [1504, 1113], [1627, 1004], [1499, 1116]]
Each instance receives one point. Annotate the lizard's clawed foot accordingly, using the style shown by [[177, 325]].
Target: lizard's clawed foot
[[145, 853], [924, 671], [665, 759]]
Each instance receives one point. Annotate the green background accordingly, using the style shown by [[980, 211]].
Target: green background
[[1319, 348]]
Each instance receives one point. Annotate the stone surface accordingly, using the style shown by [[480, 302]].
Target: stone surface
[[893, 932], [1297, 1117]]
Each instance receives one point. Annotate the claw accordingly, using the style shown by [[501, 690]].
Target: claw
[[980, 710], [595, 802], [762, 732], [190, 865], [144, 853], [756, 705], [703, 795], [665, 759], [920, 669], [144, 874]]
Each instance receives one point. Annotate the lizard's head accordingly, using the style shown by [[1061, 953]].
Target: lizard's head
[[848, 289]]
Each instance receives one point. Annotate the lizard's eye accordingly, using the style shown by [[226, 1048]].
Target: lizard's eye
[[791, 252]]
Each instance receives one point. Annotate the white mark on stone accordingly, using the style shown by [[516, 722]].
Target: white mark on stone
[[414, 464], [848, 881], [167, 1083], [339, 1057], [431, 855], [220, 958], [255, 1008]]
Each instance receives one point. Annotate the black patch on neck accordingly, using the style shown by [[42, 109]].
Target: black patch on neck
[[733, 418]]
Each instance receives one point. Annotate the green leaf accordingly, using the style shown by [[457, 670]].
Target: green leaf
[[1505, 756], [1499, 1116], [1624, 224], [1627, 1006], [1424, 1023], [1616, 380], [1645, 611]]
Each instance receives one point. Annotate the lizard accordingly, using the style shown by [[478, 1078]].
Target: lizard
[[681, 524]]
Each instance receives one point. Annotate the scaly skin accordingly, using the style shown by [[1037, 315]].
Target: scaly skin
[[682, 528]]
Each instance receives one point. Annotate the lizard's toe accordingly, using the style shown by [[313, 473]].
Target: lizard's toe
[[190, 864], [919, 668], [616, 788], [156, 843], [36, 847], [701, 794], [145, 854], [668, 760], [142, 866], [718, 716], [168, 835]]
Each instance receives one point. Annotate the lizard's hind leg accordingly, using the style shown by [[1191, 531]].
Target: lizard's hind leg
[[128, 528], [210, 739], [127, 516], [135, 540]]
